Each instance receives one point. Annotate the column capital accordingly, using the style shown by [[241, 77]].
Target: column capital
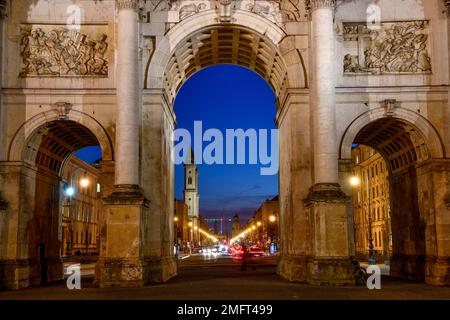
[[312, 5], [127, 4], [447, 5], [3, 9]]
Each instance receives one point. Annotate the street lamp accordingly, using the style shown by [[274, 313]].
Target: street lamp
[[69, 191], [355, 181], [84, 182]]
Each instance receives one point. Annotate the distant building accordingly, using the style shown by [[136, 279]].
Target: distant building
[[236, 226], [182, 232], [371, 195], [191, 195], [264, 223], [80, 210]]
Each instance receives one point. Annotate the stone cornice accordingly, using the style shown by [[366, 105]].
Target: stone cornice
[[126, 4]]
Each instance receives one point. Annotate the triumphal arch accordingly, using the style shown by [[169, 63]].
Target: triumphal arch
[[76, 73]]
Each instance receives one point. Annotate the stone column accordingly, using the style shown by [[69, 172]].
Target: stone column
[[122, 260], [324, 96], [328, 206], [127, 123]]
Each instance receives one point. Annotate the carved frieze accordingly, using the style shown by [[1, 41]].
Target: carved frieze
[[277, 11], [191, 9], [397, 47], [51, 50]]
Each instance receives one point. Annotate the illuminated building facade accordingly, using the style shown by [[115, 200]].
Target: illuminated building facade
[[371, 194]]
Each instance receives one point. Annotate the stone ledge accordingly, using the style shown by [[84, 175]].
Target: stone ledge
[[437, 271], [331, 271], [117, 272], [126, 195], [326, 192]]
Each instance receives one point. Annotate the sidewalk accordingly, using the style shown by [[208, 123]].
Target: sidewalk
[[385, 269], [87, 269]]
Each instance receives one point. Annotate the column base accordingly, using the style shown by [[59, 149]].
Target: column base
[[18, 274], [55, 269], [410, 267], [120, 273], [126, 259], [23, 273], [316, 271], [437, 271], [293, 268], [162, 269], [133, 273], [330, 211], [331, 271]]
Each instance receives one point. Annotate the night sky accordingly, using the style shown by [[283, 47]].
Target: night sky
[[223, 97], [227, 97]]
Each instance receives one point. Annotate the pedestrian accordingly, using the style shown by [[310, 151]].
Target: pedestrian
[[244, 258]]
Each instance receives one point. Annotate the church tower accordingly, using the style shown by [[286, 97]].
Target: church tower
[[191, 196]]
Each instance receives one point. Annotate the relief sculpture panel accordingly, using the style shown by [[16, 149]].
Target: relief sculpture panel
[[49, 50], [395, 47]]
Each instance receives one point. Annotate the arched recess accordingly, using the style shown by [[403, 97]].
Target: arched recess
[[407, 142], [251, 41], [39, 150], [26, 141], [423, 131]]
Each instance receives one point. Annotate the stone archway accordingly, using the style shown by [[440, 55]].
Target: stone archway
[[33, 185], [415, 159], [205, 46]]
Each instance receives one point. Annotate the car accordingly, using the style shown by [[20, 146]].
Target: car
[[256, 251]]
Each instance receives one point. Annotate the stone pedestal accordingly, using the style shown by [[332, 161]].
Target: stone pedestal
[[437, 271], [433, 184], [124, 238], [18, 273], [121, 262], [330, 263]]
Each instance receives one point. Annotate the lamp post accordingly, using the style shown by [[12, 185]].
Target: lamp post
[[69, 192], [84, 183], [355, 181]]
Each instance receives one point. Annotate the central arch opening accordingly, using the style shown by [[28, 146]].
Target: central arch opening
[[238, 63], [220, 44], [217, 201]]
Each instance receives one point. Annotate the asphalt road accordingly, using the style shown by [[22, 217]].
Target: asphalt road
[[220, 278]]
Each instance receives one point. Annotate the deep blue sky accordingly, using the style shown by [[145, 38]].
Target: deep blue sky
[[227, 97], [223, 97]]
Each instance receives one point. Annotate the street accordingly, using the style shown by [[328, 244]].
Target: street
[[221, 278]]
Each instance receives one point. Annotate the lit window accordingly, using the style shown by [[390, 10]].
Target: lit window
[[98, 187]]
